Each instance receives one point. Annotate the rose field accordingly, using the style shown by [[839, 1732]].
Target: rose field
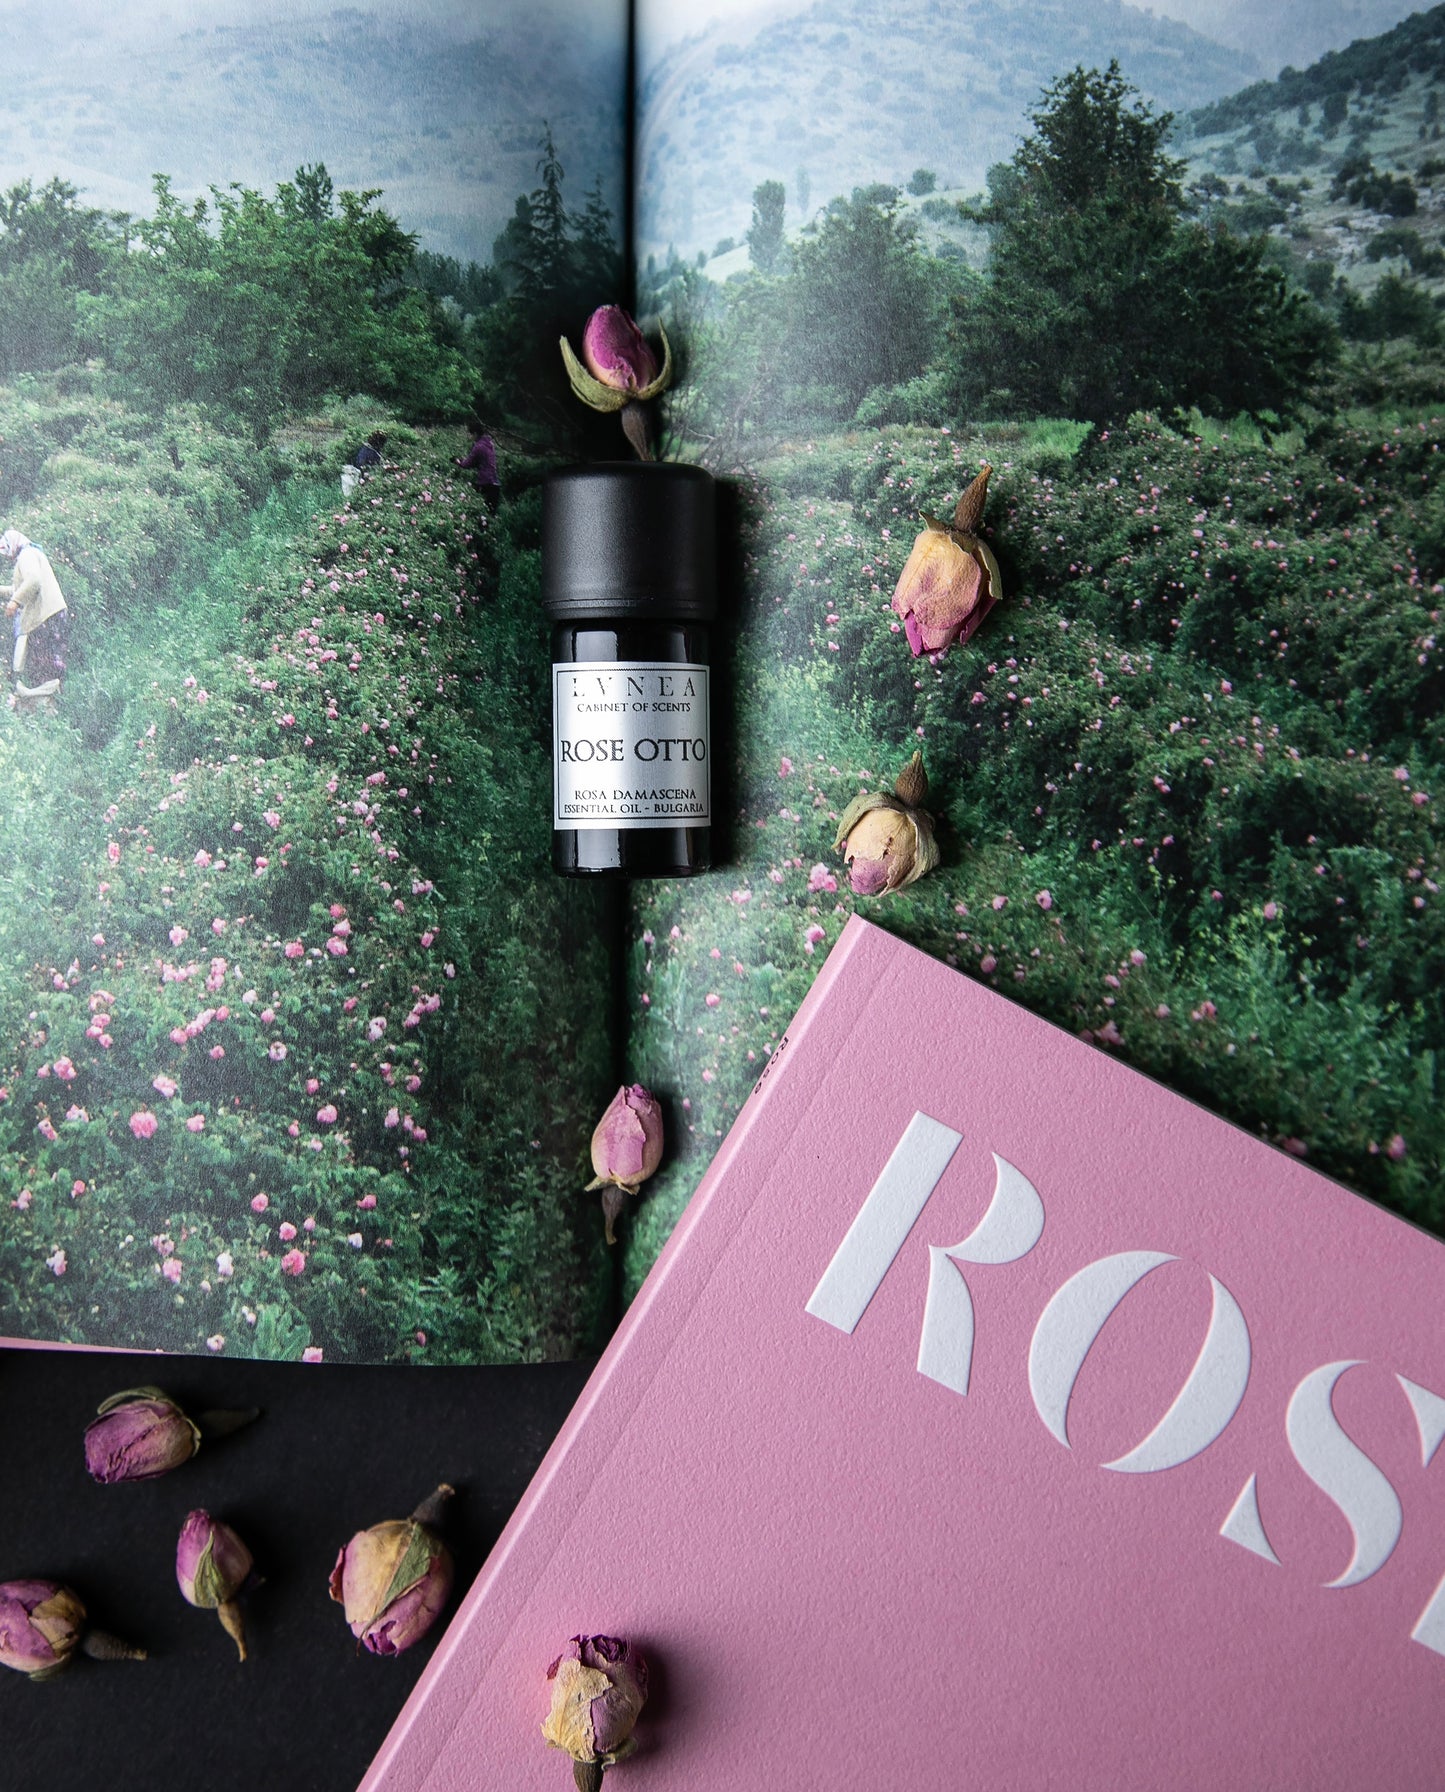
[[293, 1021], [1186, 775]]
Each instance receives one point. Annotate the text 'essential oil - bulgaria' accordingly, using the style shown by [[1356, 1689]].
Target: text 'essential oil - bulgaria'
[[629, 582]]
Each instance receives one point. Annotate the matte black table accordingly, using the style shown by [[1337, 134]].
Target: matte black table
[[336, 1449]]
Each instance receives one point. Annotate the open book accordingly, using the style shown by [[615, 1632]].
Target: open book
[[301, 1041]]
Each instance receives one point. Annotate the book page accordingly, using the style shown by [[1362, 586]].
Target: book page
[[300, 1039], [1175, 276]]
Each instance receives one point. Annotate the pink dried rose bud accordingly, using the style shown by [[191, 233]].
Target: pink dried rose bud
[[599, 1686], [212, 1567], [951, 580], [616, 352], [887, 841], [617, 365], [42, 1624], [618, 371], [394, 1579], [141, 1433], [626, 1149]]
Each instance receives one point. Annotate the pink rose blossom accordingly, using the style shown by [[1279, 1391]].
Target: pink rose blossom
[[294, 949], [259, 1203], [56, 1263], [171, 1270], [326, 1116], [294, 1263], [286, 1231], [163, 1086], [112, 852], [196, 1123], [311, 1354], [1044, 900], [143, 1123], [178, 936]]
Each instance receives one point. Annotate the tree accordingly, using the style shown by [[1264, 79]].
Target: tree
[[1104, 297], [865, 303], [922, 182], [765, 236]]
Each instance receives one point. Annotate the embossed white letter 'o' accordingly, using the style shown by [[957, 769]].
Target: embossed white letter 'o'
[[1073, 1319]]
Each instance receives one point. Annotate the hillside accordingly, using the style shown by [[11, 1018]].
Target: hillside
[[1286, 32], [439, 106], [1343, 163], [853, 91]]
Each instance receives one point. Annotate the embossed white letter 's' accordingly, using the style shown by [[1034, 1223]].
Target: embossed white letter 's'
[[1344, 1473], [1009, 1230], [1074, 1318], [883, 1222]]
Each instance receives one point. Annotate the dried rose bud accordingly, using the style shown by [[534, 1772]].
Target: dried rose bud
[[620, 371], [626, 1149], [394, 1579], [212, 1566], [42, 1624], [616, 351], [599, 1686], [951, 580], [142, 1433], [888, 841]]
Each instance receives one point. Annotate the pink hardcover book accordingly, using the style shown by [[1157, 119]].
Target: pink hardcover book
[[994, 1419]]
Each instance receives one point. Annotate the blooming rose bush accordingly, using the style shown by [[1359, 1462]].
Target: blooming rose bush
[[1187, 777], [268, 923]]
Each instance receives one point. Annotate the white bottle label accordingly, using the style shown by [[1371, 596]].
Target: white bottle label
[[630, 745]]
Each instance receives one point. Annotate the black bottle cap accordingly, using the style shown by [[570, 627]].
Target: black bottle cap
[[629, 539]]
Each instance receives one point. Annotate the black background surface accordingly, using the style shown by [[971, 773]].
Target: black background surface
[[335, 1450]]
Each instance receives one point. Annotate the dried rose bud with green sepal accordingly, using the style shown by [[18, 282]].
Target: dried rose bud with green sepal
[[394, 1579], [599, 1686], [42, 1626], [618, 370], [626, 1149], [951, 580], [886, 840], [213, 1565], [141, 1433]]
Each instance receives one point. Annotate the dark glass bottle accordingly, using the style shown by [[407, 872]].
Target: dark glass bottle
[[628, 579]]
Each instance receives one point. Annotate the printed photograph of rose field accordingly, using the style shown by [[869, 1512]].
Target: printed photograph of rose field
[[301, 1041], [1176, 276]]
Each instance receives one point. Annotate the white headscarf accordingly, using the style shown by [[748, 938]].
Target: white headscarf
[[12, 542]]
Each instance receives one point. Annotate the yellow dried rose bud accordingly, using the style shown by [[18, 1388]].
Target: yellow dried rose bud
[[950, 581], [887, 841]]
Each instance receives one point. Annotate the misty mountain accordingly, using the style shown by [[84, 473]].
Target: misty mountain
[[848, 92], [1286, 33], [440, 106]]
